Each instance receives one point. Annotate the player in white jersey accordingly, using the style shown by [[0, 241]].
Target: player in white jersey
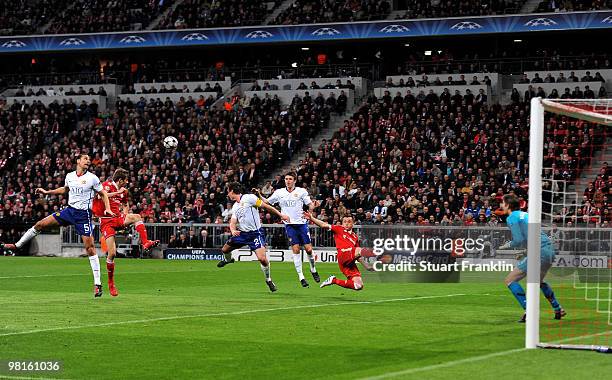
[[81, 187], [292, 200], [245, 226]]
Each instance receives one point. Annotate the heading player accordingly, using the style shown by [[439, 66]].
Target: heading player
[[292, 200], [118, 197], [245, 226], [81, 186], [349, 252], [518, 223]]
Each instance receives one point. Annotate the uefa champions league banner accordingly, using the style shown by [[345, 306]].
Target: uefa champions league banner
[[192, 254], [311, 33]]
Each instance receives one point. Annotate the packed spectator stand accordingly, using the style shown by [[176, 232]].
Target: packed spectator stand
[[216, 146], [322, 11], [442, 160], [444, 132], [578, 84], [24, 17], [431, 9], [57, 71], [431, 114], [573, 5], [210, 14], [86, 16]]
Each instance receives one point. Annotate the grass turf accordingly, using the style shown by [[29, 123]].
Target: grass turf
[[186, 319]]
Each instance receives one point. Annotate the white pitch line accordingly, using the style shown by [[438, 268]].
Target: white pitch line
[[228, 313], [452, 363], [442, 365], [582, 337], [31, 378], [89, 274]]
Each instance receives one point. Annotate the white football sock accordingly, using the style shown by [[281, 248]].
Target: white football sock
[[311, 260], [297, 260], [29, 235], [266, 271], [95, 268]]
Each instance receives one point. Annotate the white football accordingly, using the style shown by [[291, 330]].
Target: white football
[[170, 142]]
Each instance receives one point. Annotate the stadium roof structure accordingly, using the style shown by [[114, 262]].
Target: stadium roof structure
[[454, 26]]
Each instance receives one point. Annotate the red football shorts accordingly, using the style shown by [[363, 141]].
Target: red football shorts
[[348, 267], [108, 226]]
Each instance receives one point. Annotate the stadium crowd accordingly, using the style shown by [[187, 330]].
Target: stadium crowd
[[82, 16], [516, 60], [595, 202], [55, 71], [207, 14], [438, 160], [21, 17], [85, 16], [568, 93], [444, 159], [322, 11], [573, 5], [242, 143], [121, 71], [438, 8]]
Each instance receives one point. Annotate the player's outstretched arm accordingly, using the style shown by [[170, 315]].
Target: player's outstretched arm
[[107, 208], [316, 221], [61, 190], [275, 211], [118, 192]]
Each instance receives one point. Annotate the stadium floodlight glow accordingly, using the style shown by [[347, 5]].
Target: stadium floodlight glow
[[598, 111], [427, 52]]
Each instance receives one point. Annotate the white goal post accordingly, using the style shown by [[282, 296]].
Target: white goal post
[[592, 110]]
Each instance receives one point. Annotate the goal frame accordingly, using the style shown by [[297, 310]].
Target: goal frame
[[536, 145]]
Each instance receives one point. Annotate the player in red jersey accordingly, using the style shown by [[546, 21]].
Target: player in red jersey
[[118, 196], [349, 252]]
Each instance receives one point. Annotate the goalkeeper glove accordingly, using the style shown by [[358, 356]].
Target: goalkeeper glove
[[506, 245]]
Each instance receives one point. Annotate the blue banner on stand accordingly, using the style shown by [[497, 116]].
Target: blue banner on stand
[[310, 33]]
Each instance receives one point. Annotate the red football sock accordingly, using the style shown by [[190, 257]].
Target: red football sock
[[142, 231], [110, 268], [349, 284]]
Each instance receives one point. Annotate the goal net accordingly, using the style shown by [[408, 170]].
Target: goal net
[[570, 200]]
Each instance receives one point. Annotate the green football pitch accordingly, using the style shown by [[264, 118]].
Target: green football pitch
[[187, 319]]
